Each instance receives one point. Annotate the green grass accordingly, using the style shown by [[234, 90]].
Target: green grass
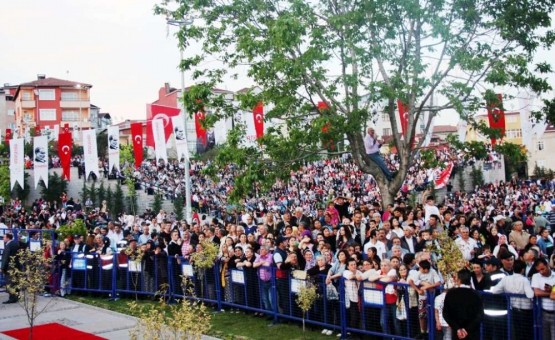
[[225, 325]]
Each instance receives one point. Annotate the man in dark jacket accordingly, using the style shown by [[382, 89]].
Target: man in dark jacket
[[11, 248], [463, 309]]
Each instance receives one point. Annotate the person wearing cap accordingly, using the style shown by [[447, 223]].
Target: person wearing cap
[[79, 246], [542, 283], [282, 282], [519, 236]]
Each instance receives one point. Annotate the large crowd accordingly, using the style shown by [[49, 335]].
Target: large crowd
[[327, 221]]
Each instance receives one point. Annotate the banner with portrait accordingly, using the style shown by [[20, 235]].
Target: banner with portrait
[[113, 147], [181, 147], [40, 159]]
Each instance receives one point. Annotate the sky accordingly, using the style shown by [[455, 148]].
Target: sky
[[118, 46]]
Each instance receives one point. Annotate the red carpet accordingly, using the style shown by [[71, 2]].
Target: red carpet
[[51, 331]]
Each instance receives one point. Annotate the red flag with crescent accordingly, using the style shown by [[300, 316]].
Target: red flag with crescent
[[65, 146], [258, 115], [8, 136], [160, 112], [137, 135], [496, 116], [403, 116], [66, 128], [443, 177], [201, 131]]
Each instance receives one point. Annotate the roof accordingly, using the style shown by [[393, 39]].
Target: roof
[[444, 128], [53, 82]]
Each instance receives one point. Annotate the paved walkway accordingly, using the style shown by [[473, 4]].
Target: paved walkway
[[104, 323]]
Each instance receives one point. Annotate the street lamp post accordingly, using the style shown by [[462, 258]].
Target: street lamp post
[[188, 209], [79, 87]]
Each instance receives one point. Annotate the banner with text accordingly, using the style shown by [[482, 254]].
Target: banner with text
[[16, 162], [90, 153]]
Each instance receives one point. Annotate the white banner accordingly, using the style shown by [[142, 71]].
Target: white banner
[[159, 140], [113, 147], [461, 130], [180, 135], [16, 162], [40, 159], [90, 153]]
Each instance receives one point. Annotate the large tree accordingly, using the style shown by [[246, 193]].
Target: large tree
[[358, 57]]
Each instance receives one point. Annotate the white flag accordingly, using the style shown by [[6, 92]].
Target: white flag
[[181, 146], [159, 140], [90, 153], [16, 162], [113, 147], [40, 159]]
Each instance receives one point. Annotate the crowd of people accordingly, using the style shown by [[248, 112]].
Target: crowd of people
[[328, 223]]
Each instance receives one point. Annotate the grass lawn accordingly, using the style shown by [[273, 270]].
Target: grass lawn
[[225, 325]]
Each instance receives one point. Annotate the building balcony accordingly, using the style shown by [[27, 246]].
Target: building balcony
[[28, 104], [70, 104]]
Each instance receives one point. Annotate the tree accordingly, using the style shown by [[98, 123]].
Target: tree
[[157, 204], [28, 275], [101, 193], [358, 58], [56, 186], [118, 206], [93, 194], [178, 203]]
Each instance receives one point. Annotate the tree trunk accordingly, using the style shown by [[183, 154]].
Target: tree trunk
[[387, 196]]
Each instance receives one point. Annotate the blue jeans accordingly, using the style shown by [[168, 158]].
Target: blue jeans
[[377, 158], [266, 294]]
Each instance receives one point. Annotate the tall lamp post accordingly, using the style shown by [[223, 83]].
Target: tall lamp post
[[188, 209]]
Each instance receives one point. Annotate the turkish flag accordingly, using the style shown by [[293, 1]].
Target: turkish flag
[[65, 146], [443, 177], [66, 128], [258, 116], [496, 116], [327, 141], [8, 136], [403, 116], [201, 132], [159, 112], [137, 135]]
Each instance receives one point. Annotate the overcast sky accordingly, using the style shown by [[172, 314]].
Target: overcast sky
[[118, 46]]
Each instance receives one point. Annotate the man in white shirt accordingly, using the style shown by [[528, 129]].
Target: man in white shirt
[[521, 307], [372, 146], [542, 283], [429, 205], [466, 244], [373, 242]]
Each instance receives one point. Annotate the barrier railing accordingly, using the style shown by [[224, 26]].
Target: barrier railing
[[393, 310]]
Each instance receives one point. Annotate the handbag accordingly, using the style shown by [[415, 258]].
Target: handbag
[[331, 292], [401, 311]]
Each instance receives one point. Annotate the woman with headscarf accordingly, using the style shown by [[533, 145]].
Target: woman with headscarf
[[503, 241]]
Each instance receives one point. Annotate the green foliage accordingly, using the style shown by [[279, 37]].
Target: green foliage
[[109, 197], [102, 144], [131, 192], [306, 297], [462, 183], [126, 154], [93, 194], [56, 187], [429, 158], [477, 176], [515, 158], [178, 203], [101, 193], [5, 191], [77, 227], [157, 204], [117, 205], [18, 191], [542, 172], [77, 150], [359, 58], [84, 192]]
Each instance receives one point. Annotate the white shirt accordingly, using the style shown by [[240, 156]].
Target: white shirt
[[351, 287], [466, 247], [371, 145], [539, 281], [438, 305], [516, 284], [379, 245], [430, 210]]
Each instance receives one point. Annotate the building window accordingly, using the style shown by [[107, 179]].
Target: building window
[[510, 119], [540, 145], [70, 95], [47, 114], [70, 116], [48, 94], [386, 132], [26, 95], [513, 133], [385, 117]]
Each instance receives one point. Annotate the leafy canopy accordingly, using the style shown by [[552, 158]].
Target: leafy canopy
[[358, 57]]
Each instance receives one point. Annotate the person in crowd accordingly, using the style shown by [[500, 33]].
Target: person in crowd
[[372, 145], [11, 247], [542, 284], [463, 308]]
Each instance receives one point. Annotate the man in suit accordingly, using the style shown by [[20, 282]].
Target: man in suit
[[8, 256], [463, 308], [408, 241]]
